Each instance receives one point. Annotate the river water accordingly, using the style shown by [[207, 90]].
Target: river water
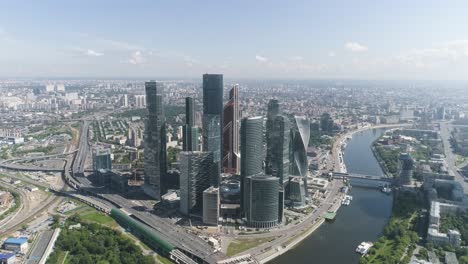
[[363, 220]]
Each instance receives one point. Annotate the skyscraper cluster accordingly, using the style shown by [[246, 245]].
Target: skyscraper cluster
[[232, 145]]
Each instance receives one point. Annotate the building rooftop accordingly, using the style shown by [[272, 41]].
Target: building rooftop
[[19, 240], [6, 255]]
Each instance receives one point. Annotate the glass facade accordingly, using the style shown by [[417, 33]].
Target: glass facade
[[155, 139], [212, 119]]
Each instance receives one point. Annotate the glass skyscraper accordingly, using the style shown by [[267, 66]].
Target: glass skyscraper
[[251, 146], [300, 135], [213, 120], [196, 172], [189, 130], [280, 135], [155, 140], [272, 112], [231, 155], [261, 201]]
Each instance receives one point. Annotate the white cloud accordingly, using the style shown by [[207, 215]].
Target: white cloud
[[331, 54], [93, 53], [355, 47], [297, 58], [437, 55], [137, 58], [261, 58]]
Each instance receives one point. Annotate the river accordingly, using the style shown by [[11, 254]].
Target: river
[[363, 220]]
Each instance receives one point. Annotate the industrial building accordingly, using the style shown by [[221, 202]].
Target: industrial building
[[19, 244]]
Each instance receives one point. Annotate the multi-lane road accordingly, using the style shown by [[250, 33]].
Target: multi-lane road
[[450, 158]]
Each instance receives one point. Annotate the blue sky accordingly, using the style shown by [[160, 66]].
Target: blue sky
[[242, 39]]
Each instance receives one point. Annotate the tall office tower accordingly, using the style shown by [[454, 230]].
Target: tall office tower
[[189, 130], [155, 140], [300, 136], [272, 112], [280, 134], [231, 155], [211, 206], [251, 151], [213, 120], [196, 172], [261, 195], [102, 160], [251, 145], [405, 168]]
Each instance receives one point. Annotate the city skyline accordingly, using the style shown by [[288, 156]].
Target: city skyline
[[396, 40]]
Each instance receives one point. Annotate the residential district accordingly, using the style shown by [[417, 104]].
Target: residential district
[[215, 171]]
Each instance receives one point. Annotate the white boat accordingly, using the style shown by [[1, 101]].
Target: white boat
[[364, 247]]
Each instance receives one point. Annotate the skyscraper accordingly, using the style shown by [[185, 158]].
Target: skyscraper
[[196, 172], [155, 140], [102, 160], [190, 131], [262, 197], [280, 135], [272, 112], [300, 136], [251, 145], [231, 155], [213, 120], [251, 151]]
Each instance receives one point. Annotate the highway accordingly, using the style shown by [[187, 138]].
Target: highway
[[450, 158], [178, 236]]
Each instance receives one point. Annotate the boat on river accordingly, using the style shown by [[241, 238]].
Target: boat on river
[[364, 247]]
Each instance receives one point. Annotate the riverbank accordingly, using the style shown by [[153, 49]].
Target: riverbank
[[339, 146]]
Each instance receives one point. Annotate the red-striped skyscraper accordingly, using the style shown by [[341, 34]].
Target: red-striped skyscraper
[[231, 116]]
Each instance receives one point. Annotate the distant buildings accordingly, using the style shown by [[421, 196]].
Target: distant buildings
[[434, 235], [213, 120], [140, 101], [196, 172], [231, 154], [155, 140]]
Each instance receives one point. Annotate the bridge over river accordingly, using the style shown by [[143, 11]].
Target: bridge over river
[[371, 181]]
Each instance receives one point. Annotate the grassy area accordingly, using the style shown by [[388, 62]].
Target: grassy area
[[164, 260], [240, 245], [98, 217], [62, 256]]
